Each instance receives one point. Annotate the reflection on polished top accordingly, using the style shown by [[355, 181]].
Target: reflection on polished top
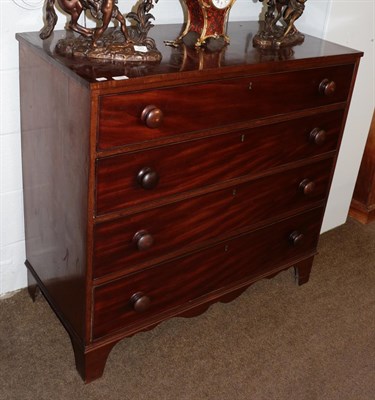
[[238, 54]]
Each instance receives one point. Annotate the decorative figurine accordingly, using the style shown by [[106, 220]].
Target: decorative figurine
[[126, 45], [278, 29], [206, 23]]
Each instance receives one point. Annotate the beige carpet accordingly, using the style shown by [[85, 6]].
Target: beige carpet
[[276, 341]]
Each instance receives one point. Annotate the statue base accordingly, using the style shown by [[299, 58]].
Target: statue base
[[273, 38], [112, 46]]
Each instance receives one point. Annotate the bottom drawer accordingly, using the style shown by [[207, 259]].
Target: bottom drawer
[[139, 297]]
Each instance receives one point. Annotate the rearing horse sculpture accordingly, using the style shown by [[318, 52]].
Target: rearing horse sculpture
[[103, 9], [288, 10]]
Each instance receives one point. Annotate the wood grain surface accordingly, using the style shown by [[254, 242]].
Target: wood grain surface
[[195, 222], [177, 282], [204, 106]]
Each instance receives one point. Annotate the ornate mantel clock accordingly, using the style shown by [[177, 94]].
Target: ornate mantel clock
[[207, 19]]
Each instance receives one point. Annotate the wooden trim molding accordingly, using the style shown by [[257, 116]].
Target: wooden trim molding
[[362, 206]]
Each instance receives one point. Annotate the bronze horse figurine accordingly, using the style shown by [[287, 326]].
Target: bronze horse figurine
[[101, 9], [288, 10], [293, 10]]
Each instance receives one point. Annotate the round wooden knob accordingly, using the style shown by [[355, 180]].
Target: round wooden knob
[[318, 136], [307, 187], [327, 87], [147, 178], [143, 240], [140, 302], [296, 238], [152, 116]]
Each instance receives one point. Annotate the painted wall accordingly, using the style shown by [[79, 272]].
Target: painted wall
[[26, 15], [352, 24]]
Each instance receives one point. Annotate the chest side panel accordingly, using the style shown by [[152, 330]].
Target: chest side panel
[[55, 146]]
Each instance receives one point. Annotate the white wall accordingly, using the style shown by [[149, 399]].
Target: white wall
[[352, 24], [26, 15]]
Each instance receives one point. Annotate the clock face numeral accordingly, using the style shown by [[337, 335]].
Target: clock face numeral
[[221, 4]]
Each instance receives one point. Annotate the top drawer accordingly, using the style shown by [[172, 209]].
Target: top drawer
[[147, 115]]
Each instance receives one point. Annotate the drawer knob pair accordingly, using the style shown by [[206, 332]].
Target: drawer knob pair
[[140, 302], [147, 178], [143, 240], [307, 187], [152, 116], [327, 87]]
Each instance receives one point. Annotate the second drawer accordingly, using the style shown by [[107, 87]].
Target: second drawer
[[140, 238], [137, 178]]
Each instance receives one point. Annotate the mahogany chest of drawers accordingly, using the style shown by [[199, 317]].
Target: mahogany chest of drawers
[[153, 191]]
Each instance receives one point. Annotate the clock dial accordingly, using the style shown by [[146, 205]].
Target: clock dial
[[221, 4]]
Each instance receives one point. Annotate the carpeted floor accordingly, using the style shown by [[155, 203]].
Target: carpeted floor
[[276, 341]]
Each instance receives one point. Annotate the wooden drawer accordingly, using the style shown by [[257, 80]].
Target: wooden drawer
[[198, 163], [177, 282], [123, 244], [203, 106]]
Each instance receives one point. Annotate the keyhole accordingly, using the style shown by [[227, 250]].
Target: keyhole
[[226, 248], [250, 85]]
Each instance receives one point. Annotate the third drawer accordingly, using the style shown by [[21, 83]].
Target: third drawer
[[138, 239]]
